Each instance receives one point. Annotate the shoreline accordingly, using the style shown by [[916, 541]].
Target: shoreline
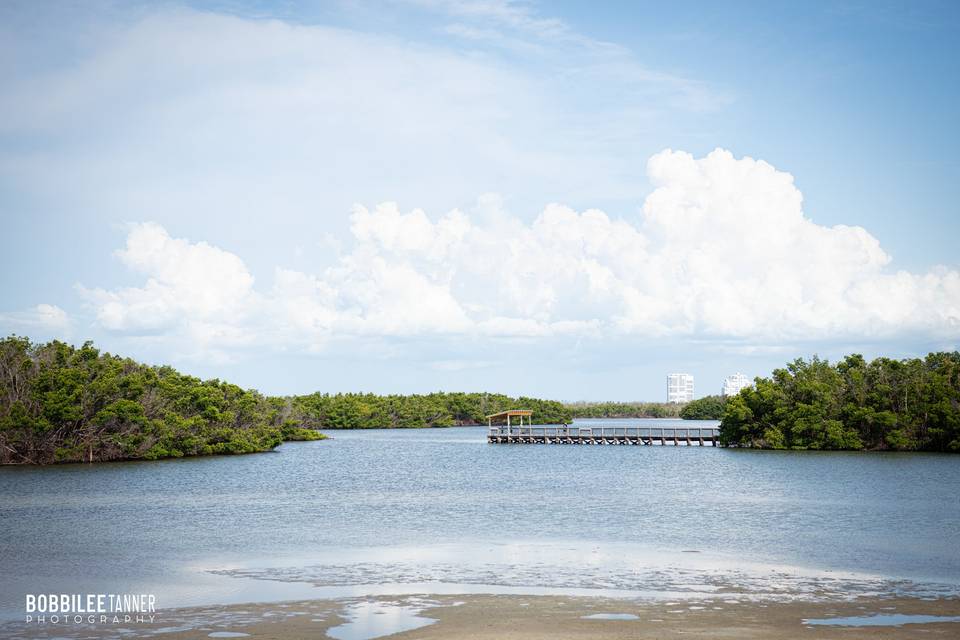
[[621, 571], [429, 616]]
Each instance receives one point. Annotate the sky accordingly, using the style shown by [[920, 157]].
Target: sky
[[566, 200]]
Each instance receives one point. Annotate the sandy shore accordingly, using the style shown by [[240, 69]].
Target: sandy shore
[[490, 617]]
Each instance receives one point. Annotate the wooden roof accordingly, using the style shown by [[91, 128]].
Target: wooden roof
[[510, 413]]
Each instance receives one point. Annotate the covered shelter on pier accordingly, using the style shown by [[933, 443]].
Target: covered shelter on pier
[[505, 416]]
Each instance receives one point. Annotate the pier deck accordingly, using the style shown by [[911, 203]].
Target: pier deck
[[702, 436]]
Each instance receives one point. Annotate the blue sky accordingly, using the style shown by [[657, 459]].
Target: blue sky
[[586, 196]]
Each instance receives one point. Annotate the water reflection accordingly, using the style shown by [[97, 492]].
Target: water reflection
[[373, 619], [885, 620]]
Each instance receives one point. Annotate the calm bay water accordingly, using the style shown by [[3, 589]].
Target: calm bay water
[[435, 507]]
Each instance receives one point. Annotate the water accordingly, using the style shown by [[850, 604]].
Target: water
[[441, 511], [611, 616], [374, 619], [891, 620]]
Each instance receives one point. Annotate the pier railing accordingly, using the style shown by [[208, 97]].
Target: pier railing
[[598, 434]]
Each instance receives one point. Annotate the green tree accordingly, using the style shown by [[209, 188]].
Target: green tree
[[706, 408], [909, 404], [59, 403]]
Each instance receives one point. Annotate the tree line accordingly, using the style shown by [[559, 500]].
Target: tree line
[[884, 404], [370, 411], [623, 409], [706, 408], [60, 403]]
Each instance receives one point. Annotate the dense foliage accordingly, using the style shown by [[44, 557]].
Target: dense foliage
[[705, 408], [369, 411], [623, 409], [909, 404], [59, 403]]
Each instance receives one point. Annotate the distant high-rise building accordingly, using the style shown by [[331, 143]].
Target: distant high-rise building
[[679, 387], [733, 384]]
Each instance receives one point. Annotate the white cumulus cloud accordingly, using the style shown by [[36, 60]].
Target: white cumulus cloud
[[41, 321], [194, 288], [721, 250]]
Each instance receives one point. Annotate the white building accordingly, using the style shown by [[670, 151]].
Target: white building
[[679, 387], [733, 384]]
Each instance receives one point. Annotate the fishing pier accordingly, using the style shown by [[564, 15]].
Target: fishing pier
[[519, 433]]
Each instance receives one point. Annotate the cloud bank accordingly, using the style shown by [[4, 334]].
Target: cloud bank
[[43, 320], [721, 249]]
